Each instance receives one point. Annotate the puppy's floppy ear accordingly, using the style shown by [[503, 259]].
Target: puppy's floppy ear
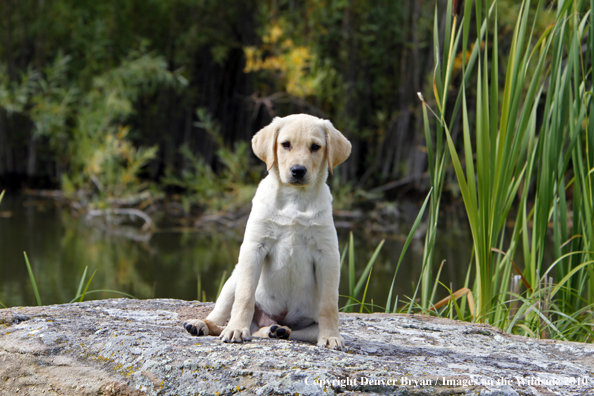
[[338, 148], [264, 143]]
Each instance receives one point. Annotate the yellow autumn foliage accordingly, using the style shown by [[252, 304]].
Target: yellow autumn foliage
[[289, 61]]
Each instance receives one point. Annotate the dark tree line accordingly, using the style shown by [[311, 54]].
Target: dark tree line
[[359, 63]]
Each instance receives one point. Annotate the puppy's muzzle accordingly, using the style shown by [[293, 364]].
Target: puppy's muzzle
[[298, 173]]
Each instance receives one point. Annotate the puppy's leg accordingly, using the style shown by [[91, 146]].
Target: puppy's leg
[[222, 310], [309, 334], [327, 270], [213, 324], [273, 331], [248, 269]]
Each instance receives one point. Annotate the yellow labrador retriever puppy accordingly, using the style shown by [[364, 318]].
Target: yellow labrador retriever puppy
[[285, 284]]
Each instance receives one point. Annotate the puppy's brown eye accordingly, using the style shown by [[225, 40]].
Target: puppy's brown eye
[[315, 147], [286, 145]]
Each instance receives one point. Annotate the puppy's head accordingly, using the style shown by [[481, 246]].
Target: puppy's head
[[300, 146]]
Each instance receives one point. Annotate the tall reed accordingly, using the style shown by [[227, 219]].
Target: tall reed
[[528, 143]]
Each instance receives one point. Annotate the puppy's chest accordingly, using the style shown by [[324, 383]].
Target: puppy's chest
[[293, 235]]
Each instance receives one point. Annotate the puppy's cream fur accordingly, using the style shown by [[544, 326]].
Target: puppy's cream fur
[[285, 284]]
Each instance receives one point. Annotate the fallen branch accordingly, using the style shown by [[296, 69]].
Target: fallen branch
[[148, 222], [456, 295]]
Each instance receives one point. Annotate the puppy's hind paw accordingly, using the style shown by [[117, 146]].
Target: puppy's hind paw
[[281, 332], [196, 327]]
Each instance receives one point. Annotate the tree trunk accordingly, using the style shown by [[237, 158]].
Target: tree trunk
[[3, 142], [8, 10], [32, 156]]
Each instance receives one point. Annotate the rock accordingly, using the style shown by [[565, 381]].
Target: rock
[[138, 347]]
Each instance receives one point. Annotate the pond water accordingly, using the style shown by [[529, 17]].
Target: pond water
[[169, 264]]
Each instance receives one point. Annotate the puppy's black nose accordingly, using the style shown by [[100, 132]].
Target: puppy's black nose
[[298, 171]]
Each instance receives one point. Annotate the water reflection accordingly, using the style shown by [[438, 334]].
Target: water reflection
[[60, 246]]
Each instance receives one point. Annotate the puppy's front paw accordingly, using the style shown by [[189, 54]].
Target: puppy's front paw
[[196, 327], [235, 334], [277, 331], [332, 342]]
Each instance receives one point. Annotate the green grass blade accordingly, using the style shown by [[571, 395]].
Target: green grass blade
[[468, 154], [103, 291], [405, 247], [343, 256], [437, 83], [469, 202], [222, 283], [82, 282], [368, 268], [428, 143], [32, 278], [351, 266], [355, 302], [365, 291], [568, 277], [436, 282], [454, 302], [82, 297]]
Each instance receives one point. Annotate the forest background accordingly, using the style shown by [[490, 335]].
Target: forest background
[[98, 98]]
